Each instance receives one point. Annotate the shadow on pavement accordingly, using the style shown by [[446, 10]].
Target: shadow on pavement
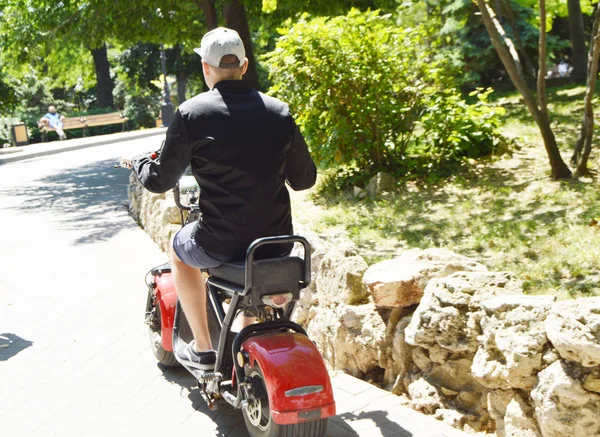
[[379, 419], [84, 198], [11, 345], [229, 422]]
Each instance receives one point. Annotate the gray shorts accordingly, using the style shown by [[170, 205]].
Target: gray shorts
[[191, 254]]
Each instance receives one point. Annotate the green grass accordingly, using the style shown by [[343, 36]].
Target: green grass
[[505, 212]]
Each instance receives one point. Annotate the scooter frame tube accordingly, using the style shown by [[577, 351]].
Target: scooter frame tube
[[237, 292], [225, 319]]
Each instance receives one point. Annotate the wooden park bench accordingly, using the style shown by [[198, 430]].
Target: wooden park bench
[[68, 124], [85, 121], [106, 119]]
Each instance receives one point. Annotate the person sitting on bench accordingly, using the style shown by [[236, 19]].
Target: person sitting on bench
[[54, 121]]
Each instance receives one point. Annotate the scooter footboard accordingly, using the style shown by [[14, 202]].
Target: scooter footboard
[[297, 382]]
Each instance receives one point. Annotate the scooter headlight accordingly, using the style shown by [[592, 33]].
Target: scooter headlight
[[277, 300]]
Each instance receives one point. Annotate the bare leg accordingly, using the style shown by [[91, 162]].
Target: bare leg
[[191, 291]]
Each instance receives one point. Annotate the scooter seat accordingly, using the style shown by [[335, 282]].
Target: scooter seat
[[268, 274], [232, 272]]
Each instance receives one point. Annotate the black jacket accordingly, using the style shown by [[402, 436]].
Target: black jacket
[[242, 146]]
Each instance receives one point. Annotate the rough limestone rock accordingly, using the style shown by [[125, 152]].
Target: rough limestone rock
[[424, 397], [470, 422], [592, 380], [380, 183], [513, 415], [512, 343], [401, 281], [333, 243], [359, 192], [302, 309], [170, 215], [349, 337], [401, 356], [420, 357], [449, 311], [573, 327], [308, 296], [562, 406], [339, 280], [550, 356], [462, 410], [454, 375], [471, 400], [156, 213], [450, 417], [335, 246]]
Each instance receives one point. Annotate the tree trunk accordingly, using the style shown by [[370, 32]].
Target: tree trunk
[[498, 11], [528, 68], [541, 79], [508, 55], [583, 147], [235, 18], [498, 35], [104, 87], [210, 13], [180, 75], [577, 36], [181, 86]]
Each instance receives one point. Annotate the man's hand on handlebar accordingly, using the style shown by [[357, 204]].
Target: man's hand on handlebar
[[125, 162]]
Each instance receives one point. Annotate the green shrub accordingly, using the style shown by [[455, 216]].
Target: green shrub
[[8, 94], [370, 97], [453, 130], [141, 106], [354, 82], [5, 130], [142, 110]]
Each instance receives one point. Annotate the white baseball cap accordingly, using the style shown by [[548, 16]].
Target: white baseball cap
[[221, 42]]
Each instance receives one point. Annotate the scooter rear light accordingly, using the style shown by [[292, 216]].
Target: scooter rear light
[[277, 300]]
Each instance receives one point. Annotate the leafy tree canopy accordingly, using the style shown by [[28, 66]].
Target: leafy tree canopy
[[554, 9], [56, 37]]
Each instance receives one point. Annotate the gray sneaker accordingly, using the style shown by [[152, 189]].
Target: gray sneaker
[[205, 361]]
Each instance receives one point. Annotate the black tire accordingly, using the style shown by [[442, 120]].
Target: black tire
[[259, 420], [164, 357]]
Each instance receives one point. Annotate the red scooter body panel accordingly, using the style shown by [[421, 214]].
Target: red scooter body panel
[[167, 299], [290, 361]]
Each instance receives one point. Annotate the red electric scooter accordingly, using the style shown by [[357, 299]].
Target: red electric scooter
[[270, 370]]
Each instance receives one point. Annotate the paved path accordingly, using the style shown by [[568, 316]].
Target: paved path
[[13, 154], [72, 294]]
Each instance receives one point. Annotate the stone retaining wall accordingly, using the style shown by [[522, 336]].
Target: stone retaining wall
[[451, 338]]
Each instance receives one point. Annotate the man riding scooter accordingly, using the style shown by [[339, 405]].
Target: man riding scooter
[[242, 147]]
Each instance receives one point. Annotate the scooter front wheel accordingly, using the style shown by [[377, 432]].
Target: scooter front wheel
[[164, 357], [259, 419]]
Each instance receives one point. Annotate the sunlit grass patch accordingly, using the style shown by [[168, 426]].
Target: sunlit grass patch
[[542, 235], [505, 213]]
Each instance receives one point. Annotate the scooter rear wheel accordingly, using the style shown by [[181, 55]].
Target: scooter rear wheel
[[164, 357], [260, 423]]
